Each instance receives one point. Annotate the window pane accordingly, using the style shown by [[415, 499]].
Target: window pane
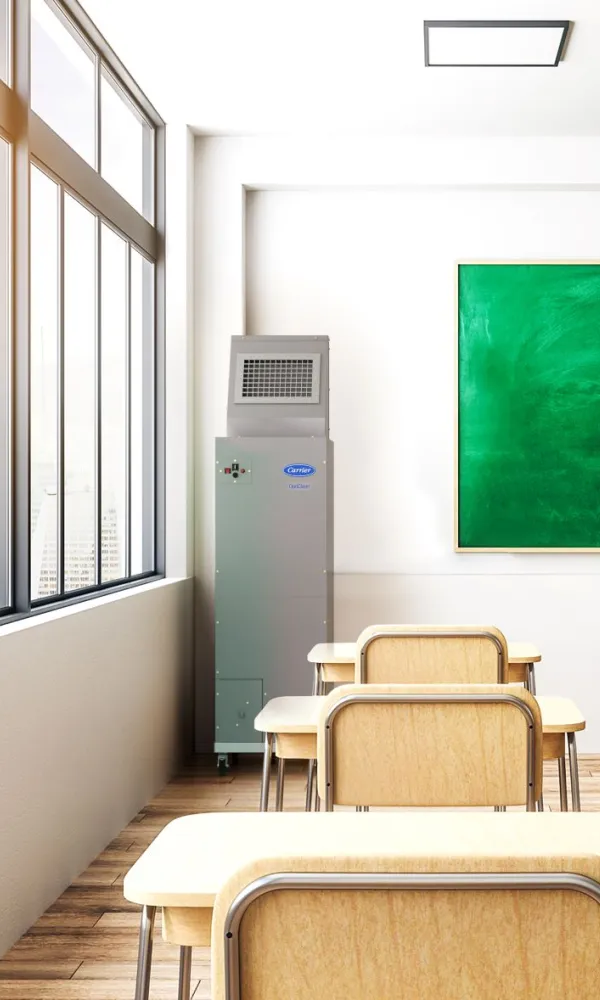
[[80, 396], [5, 158], [63, 80], [44, 383], [114, 404], [142, 414], [4, 40], [127, 144]]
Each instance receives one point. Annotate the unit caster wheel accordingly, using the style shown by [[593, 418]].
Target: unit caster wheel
[[222, 764]]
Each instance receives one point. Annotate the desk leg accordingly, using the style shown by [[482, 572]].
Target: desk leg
[[266, 773], [185, 973], [280, 782], [144, 966], [530, 683], [310, 779], [320, 681], [562, 784], [312, 764], [316, 675], [574, 768]]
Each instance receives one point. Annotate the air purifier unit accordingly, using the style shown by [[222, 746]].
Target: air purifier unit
[[274, 531]]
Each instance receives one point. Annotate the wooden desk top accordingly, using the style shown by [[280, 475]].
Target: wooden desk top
[[345, 652], [560, 715], [300, 714], [194, 856]]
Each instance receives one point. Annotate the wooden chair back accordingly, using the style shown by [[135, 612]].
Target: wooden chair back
[[430, 745], [369, 932], [431, 654]]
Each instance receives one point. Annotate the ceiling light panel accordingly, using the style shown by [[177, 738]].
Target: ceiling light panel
[[494, 43]]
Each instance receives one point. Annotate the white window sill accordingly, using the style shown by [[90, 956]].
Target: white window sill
[[81, 607]]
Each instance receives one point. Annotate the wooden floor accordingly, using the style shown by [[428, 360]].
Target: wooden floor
[[85, 946]]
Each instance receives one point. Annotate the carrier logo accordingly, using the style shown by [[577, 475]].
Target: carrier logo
[[299, 471]]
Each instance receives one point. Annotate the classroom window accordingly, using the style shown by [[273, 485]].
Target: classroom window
[[44, 402], [127, 147], [81, 273], [63, 78], [79, 390]]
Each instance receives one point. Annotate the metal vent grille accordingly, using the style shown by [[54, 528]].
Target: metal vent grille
[[277, 378]]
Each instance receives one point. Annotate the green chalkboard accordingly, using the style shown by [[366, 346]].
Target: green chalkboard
[[528, 406]]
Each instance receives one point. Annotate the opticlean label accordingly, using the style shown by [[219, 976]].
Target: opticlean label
[[299, 471]]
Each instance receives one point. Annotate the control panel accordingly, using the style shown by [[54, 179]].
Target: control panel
[[238, 471]]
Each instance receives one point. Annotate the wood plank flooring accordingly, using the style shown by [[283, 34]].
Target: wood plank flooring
[[85, 946]]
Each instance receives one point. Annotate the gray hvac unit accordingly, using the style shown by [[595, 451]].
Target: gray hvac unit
[[274, 530]]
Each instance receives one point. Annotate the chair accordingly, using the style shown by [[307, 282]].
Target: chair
[[438, 654], [429, 745], [431, 654], [376, 927]]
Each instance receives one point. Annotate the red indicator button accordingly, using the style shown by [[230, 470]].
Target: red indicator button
[[242, 470], [227, 472]]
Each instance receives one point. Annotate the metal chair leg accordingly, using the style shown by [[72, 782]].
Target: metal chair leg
[[185, 973], [574, 769], [531, 679], [540, 804], [266, 773], [310, 780], [562, 784], [144, 966], [280, 782], [499, 809]]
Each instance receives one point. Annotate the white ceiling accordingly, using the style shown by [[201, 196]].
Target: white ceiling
[[341, 65]]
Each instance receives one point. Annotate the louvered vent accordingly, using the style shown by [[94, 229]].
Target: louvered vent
[[277, 378]]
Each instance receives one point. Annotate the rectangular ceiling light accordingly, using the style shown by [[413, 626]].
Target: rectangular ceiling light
[[495, 43]]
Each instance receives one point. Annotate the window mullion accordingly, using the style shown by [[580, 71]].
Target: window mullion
[[98, 106], [128, 421], [60, 504], [98, 401], [159, 383], [21, 485]]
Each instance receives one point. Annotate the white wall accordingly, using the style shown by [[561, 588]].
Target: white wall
[[359, 241], [94, 717]]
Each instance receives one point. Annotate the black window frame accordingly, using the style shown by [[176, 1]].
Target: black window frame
[[34, 143]]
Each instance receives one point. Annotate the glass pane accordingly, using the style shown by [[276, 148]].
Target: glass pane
[[44, 383], [63, 80], [114, 404], [4, 40], [142, 414], [127, 144], [5, 157], [80, 395]]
